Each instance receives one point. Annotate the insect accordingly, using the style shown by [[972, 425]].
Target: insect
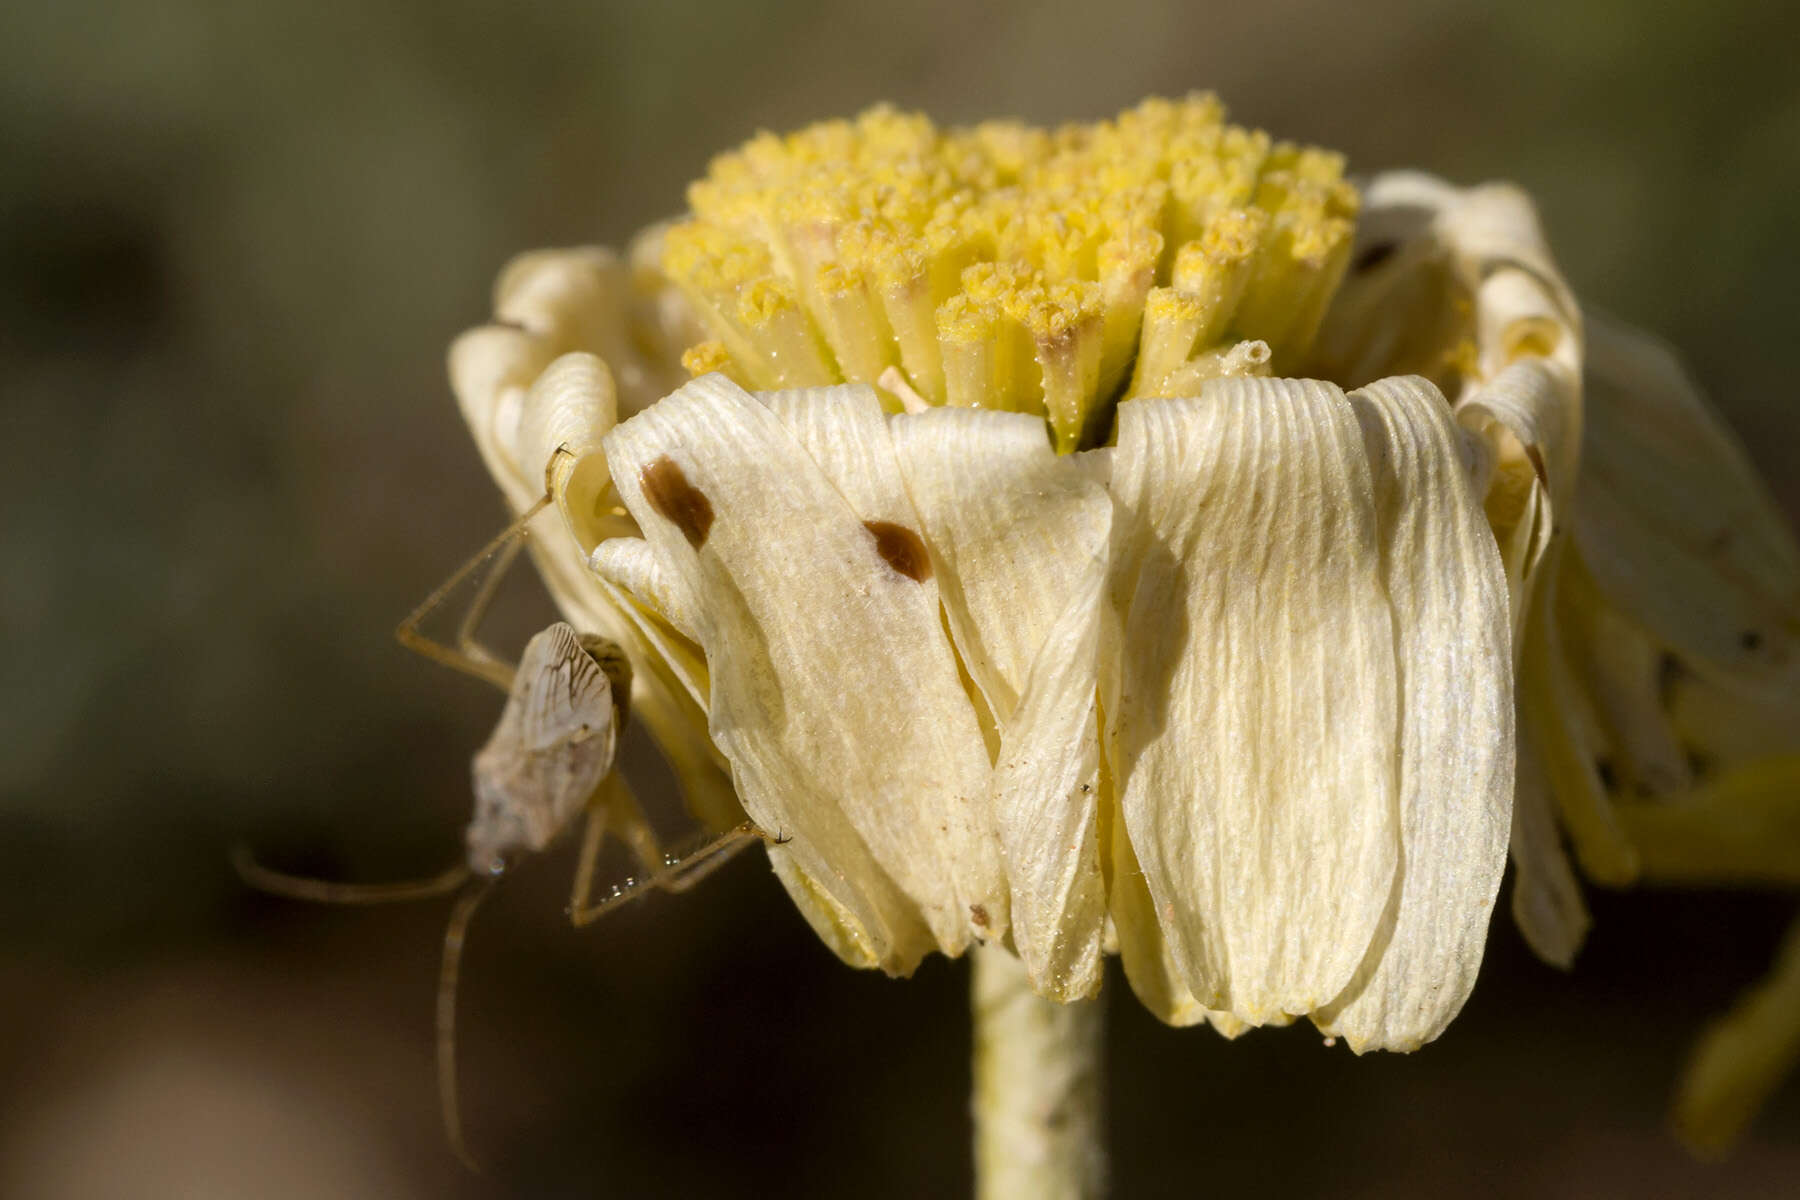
[[548, 762]]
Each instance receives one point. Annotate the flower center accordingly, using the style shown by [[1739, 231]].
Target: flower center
[[1005, 266]]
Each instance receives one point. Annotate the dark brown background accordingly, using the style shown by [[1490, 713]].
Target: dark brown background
[[234, 242]]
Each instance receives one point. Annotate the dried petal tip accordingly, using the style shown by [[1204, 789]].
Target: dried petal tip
[[1009, 267]]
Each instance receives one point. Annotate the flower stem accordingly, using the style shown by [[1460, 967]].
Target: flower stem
[[1039, 1119]]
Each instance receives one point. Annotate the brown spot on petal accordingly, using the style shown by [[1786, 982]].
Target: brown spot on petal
[[670, 494], [901, 549], [978, 913]]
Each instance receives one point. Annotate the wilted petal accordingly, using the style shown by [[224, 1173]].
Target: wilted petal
[[1458, 285], [1046, 790], [1019, 537], [633, 565], [1155, 978], [1626, 675], [491, 368], [1530, 416], [1740, 827], [835, 692], [1726, 725], [1742, 1058], [1546, 900], [1448, 592], [580, 298], [1253, 716], [1674, 523], [1568, 734], [1011, 524], [643, 587]]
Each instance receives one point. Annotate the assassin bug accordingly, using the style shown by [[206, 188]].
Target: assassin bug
[[549, 760]]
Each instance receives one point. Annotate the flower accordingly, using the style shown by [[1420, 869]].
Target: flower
[[1659, 677], [992, 567]]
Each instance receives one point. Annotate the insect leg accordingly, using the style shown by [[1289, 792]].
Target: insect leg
[[468, 654], [687, 864], [612, 805], [669, 871], [593, 832], [683, 869]]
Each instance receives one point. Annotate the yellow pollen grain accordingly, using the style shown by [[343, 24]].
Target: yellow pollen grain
[[703, 358]]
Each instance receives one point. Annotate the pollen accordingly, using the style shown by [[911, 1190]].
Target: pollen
[[1055, 272]]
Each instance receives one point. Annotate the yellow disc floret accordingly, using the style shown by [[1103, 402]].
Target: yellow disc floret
[[1003, 266]]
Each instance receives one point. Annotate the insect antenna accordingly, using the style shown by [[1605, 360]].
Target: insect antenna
[[324, 891], [455, 934]]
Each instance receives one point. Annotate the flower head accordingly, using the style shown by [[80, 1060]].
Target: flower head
[[1005, 556]]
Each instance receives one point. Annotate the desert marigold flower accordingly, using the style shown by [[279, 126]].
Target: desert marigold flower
[[1116, 538]]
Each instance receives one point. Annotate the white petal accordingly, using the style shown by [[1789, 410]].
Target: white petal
[[1530, 416], [1546, 899], [844, 429], [837, 926], [631, 574], [1254, 724], [1569, 735], [1046, 791], [1011, 525], [835, 693], [490, 370], [579, 298], [631, 564], [1674, 523], [1448, 591], [1019, 538], [1155, 978], [562, 421]]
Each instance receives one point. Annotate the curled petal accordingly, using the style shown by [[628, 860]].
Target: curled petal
[[567, 412], [1530, 417], [580, 298], [1458, 285], [630, 565]]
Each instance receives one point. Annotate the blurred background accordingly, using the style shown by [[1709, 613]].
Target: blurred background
[[235, 241]]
